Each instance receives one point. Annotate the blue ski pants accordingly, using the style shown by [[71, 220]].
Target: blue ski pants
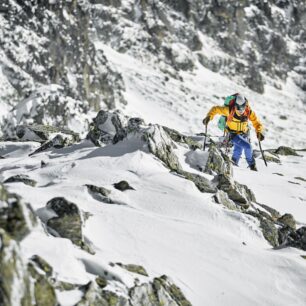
[[241, 143]]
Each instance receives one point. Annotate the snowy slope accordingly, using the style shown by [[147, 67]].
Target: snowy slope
[[166, 224], [182, 104]]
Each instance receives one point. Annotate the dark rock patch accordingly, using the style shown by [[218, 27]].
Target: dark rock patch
[[123, 186], [21, 178]]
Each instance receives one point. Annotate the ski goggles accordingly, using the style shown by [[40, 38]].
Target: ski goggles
[[241, 108]]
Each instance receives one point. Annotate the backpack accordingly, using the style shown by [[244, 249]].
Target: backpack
[[230, 101], [223, 119]]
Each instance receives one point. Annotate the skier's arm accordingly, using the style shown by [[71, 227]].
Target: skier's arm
[[256, 123], [218, 110]]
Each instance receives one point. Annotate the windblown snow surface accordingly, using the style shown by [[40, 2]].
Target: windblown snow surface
[[216, 256]]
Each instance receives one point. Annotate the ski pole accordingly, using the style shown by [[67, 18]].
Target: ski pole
[[205, 138], [262, 154]]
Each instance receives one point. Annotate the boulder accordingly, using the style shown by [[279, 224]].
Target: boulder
[[68, 223], [107, 127]]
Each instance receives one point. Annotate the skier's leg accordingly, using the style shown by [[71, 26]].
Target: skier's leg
[[237, 149]]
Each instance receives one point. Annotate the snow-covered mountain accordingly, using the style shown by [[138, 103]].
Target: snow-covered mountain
[[106, 194]]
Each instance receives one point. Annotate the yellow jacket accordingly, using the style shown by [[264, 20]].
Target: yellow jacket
[[237, 124]]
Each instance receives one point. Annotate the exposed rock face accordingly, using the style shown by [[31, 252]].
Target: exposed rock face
[[55, 46], [261, 33]]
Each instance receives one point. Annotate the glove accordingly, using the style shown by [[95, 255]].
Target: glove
[[260, 136], [206, 120]]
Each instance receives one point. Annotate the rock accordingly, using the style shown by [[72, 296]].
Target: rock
[[21, 178], [44, 293], [272, 158], [16, 217], [123, 186], [285, 151], [300, 178], [218, 163], [94, 295], [58, 142], [298, 239], [41, 133], [161, 145], [273, 212], [161, 292], [101, 282], [134, 268], [100, 193], [287, 220], [42, 265], [107, 127], [180, 138], [202, 183], [239, 193], [267, 226], [222, 198], [68, 223]]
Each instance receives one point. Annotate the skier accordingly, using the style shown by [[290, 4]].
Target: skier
[[238, 112]]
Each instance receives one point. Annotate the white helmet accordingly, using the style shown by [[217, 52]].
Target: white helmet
[[240, 102]]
